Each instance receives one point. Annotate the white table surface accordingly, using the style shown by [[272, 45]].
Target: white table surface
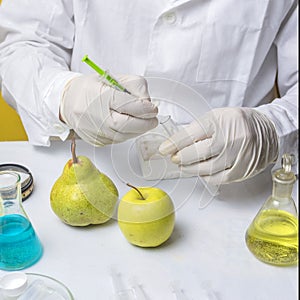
[[206, 247]]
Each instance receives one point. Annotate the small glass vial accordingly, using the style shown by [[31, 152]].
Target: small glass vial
[[19, 244], [272, 236]]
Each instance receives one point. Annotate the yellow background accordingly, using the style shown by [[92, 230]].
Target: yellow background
[[11, 128]]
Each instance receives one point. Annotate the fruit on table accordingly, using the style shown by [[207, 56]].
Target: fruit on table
[[146, 216], [82, 195]]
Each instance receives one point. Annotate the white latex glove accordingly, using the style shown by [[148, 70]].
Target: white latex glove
[[225, 145], [101, 115]]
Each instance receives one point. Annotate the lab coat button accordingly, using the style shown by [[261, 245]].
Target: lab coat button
[[59, 128], [170, 18]]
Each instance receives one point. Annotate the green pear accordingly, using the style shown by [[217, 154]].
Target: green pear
[[82, 195]]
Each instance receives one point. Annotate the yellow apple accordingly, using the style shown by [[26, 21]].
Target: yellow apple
[[146, 216]]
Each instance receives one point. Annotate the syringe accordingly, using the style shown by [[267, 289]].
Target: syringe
[[105, 75]]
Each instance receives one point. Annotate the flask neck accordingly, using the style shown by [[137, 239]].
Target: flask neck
[[282, 191], [10, 195], [282, 198], [10, 207]]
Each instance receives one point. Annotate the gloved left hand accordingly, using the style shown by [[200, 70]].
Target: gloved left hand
[[225, 145]]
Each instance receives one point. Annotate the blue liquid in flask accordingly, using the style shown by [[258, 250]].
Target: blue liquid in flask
[[19, 245]]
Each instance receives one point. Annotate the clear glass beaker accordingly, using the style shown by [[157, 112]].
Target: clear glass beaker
[[273, 234], [19, 245]]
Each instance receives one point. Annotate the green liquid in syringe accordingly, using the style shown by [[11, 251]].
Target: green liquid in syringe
[[273, 237]]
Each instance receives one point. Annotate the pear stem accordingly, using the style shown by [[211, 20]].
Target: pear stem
[[136, 190], [73, 146]]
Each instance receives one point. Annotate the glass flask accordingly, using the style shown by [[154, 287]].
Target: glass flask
[[19, 245], [273, 234]]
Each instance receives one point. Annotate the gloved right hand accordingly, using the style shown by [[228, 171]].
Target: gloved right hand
[[101, 114], [225, 145]]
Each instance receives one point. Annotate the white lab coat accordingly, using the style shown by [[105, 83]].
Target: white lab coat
[[230, 51]]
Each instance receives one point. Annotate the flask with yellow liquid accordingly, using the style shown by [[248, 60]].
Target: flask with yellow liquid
[[272, 236]]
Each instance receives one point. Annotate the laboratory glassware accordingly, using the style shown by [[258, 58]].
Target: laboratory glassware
[[273, 234], [27, 183], [32, 286], [20, 247]]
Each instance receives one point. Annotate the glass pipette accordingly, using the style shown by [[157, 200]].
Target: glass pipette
[[120, 292], [179, 294]]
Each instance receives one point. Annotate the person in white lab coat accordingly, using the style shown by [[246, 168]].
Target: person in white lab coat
[[231, 52]]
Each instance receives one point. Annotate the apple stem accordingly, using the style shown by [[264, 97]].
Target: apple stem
[[136, 190], [73, 146]]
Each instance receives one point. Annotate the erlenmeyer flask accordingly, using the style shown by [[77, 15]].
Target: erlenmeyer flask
[[273, 234], [19, 244]]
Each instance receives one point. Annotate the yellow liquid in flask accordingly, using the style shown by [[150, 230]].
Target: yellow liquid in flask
[[273, 237]]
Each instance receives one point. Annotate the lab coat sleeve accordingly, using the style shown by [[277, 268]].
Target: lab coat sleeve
[[36, 40], [283, 111]]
